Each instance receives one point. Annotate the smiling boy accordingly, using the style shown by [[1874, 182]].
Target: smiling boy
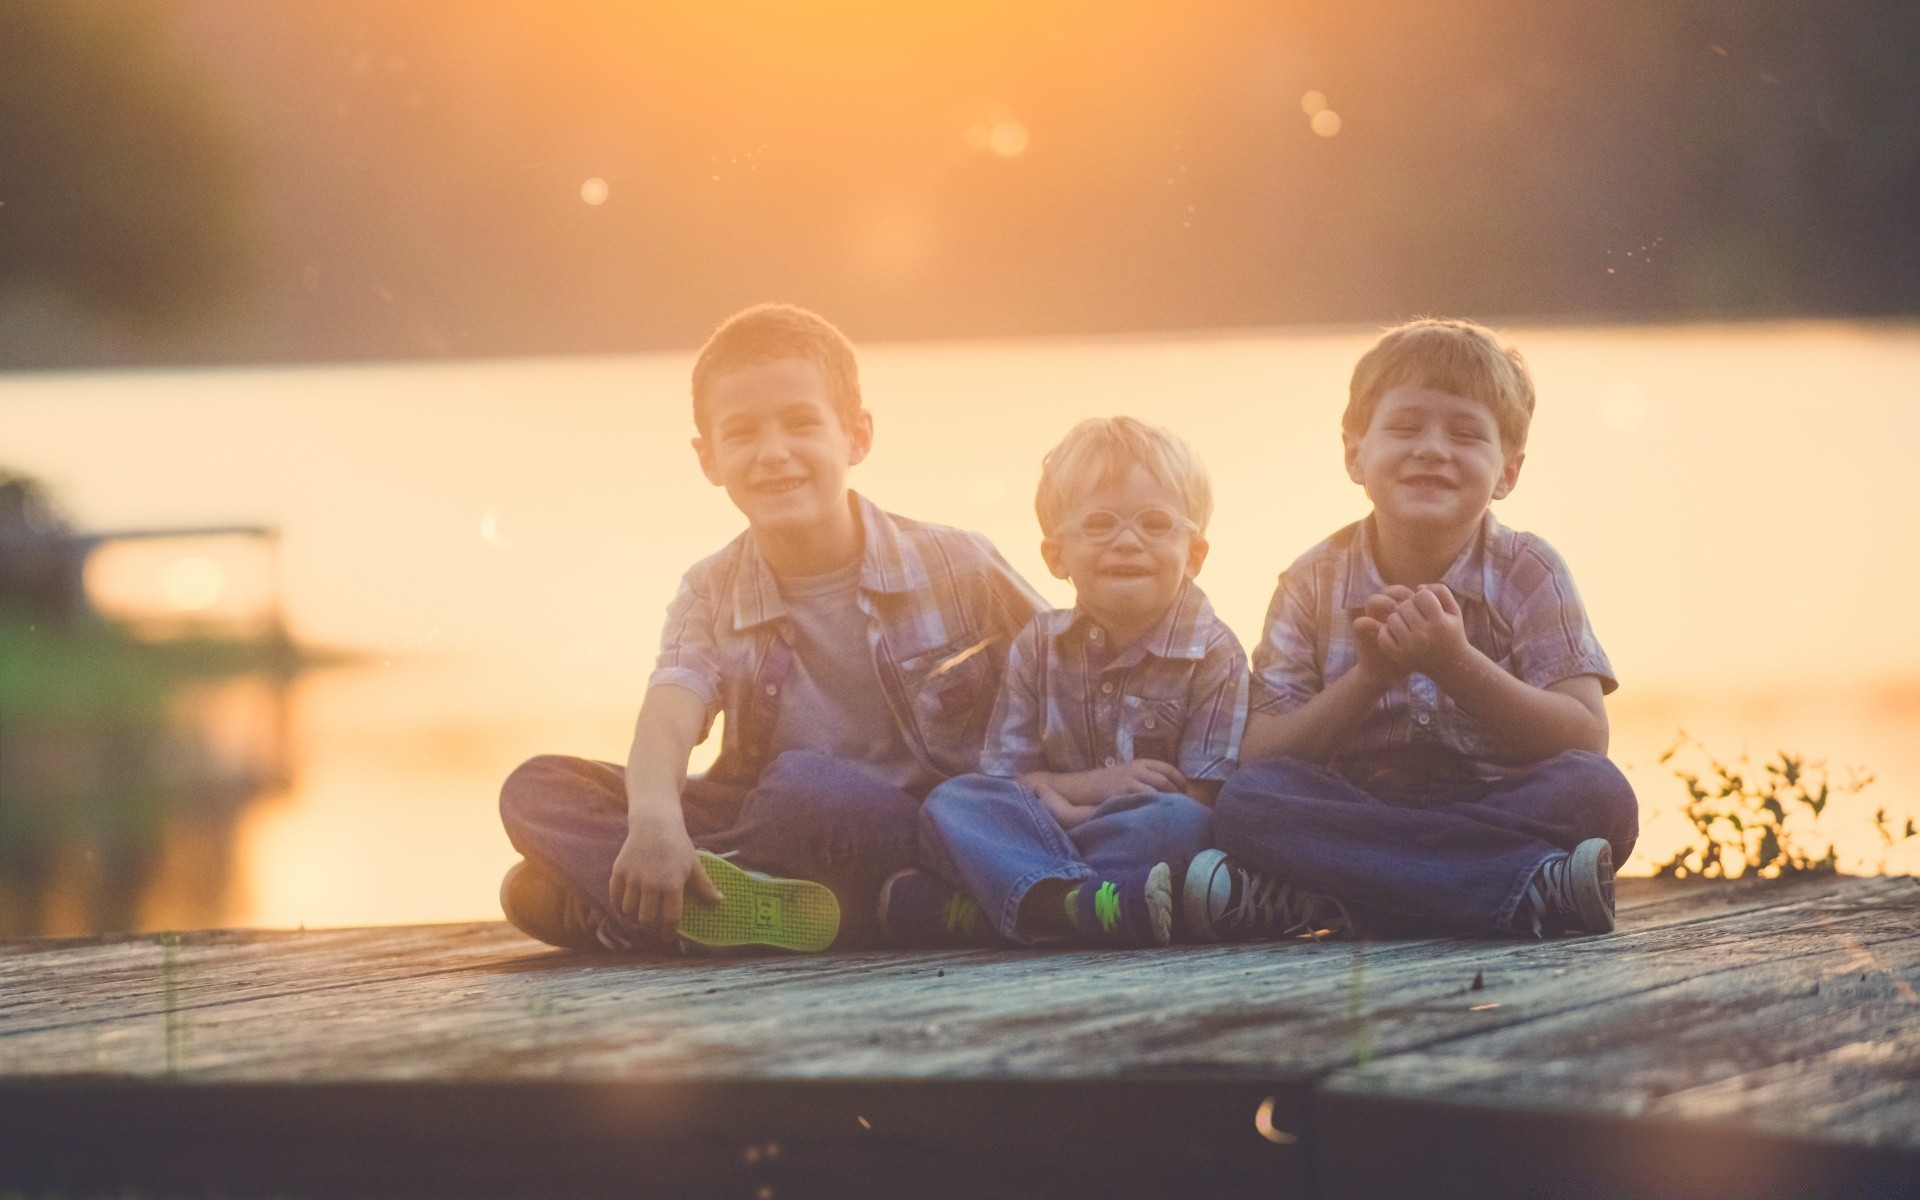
[[1116, 723], [1428, 736], [853, 653]]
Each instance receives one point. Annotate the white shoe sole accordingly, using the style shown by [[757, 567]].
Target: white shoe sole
[[1195, 891]]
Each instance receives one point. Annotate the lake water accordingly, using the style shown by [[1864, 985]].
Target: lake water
[[498, 541]]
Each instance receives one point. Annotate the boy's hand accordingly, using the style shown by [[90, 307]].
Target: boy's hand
[[1062, 809], [1131, 778], [1370, 645], [656, 870], [1426, 631]]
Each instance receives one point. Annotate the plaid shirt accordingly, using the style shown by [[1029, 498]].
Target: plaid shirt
[[1520, 609], [942, 607], [1178, 694]]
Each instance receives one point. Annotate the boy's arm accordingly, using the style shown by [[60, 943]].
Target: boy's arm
[[1533, 723], [657, 862], [1216, 717]]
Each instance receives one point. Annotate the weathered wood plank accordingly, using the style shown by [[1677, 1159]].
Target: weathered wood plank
[[345, 1030], [1817, 1046]]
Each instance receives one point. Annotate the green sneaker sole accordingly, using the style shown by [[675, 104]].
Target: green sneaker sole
[[759, 910]]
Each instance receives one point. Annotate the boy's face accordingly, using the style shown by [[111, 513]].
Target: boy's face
[[1131, 578], [774, 441], [1431, 460]]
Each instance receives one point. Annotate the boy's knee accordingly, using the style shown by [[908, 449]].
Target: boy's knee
[[531, 787], [1604, 792]]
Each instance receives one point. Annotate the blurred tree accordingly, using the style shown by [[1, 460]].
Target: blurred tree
[[120, 173]]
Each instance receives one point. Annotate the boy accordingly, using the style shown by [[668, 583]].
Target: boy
[[1428, 736], [855, 655], [1117, 721]]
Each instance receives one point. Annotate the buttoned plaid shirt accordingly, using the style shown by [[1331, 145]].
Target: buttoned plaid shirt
[[1069, 703], [1520, 609], [942, 608]]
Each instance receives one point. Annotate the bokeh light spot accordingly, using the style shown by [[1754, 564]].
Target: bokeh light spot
[[595, 191], [1313, 103], [1007, 138], [1326, 122], [193, 583]]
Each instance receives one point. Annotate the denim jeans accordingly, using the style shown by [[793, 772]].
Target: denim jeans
[[993, 838], [1452, 859], [809, 816]]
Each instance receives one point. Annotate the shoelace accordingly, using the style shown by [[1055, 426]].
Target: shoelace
[[1275, 908], [1547, 896]]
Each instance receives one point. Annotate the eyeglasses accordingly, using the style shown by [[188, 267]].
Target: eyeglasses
[[1152, 524]]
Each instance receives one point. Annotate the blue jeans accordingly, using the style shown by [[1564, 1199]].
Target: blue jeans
[[809, 816], [993, 838], [1452, 859]]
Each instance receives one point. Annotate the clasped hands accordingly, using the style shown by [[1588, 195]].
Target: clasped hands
[[1071, 797], [1411, 629]]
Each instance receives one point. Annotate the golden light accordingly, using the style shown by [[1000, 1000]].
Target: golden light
[[1623, 407], [595, 191], [1263, 1125], [1313, 103], [162, 581], [1007, 138], [1326, 122], [193, 584]]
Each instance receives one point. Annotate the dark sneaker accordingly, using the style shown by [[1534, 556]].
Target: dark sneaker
[[1132, 909], [918, 909], [1224, 901], [1571, 893], [542, 907], [759, 910]]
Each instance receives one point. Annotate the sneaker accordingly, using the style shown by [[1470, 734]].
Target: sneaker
[[542, 907], [918, 909], [759, 910], [1571, 893], [1224, 901], [1132, 909]]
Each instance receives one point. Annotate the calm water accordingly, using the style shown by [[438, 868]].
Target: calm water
[[499, 540]]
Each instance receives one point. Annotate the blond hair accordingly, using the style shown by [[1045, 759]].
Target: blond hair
[[1102, 451], [769, 332], [1458, 357]]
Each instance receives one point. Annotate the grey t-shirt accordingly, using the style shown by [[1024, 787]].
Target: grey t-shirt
[[832, 700]]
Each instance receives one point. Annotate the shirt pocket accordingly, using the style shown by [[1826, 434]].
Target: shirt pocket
[[951, 692], [1150, 727]]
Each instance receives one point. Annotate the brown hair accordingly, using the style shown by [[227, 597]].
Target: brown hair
[[1448, 356], [1102, 450], [768, 332]]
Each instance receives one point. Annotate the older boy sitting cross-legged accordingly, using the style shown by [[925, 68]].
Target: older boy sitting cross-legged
[[1427, 743], [854, 654]]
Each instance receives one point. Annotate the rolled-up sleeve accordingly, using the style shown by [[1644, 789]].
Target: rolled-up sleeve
[[1553, 640], [1216, 710], [1286, 670], [689, 657], [1015, 729]]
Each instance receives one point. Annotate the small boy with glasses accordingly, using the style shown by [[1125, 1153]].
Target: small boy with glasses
[[1116, 723]]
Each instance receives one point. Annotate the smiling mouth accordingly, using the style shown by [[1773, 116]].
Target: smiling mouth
[[779, 486], [1432, 481]]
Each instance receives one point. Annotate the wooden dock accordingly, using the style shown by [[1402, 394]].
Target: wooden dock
[[1730, 1039]]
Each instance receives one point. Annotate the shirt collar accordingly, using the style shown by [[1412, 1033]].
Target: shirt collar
[[1181, 631], [1467, 576], [888, 563]]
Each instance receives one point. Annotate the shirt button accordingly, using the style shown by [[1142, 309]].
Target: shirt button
[[1423, 718], [1109, 761], [773, 689], [1106, 688], [1151, 722]]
